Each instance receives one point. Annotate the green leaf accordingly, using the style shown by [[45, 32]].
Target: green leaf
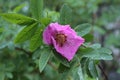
[[37, 8], [36, 40], [62, 68], [65, 75], [61, 59], [92, 69], [45, 21], [96, 54], [19, 7], [65, 15], [96, 46], [17, 18], [77, 71], [26, 33], [45, 55], [2, 75], [83, 29], [80, 73], [88, 37], [100, 30], [70, 72], [105, 50], [1, 30], [9, 75]]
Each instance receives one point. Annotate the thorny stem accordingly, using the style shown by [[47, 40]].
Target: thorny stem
[[106, 78]]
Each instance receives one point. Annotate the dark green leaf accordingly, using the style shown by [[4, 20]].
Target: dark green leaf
[[76, 67], [92, 69], [62, 68], [36, 40], [83, 29], [88, 37], [17, 18], [26, 33], [37, 8], [64, 75], [65, 15], [45, 55], [72, 71], [61, 59]]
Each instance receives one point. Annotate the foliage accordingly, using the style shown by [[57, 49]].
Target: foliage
[[30, 59]]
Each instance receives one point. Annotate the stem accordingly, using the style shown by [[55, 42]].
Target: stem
[[52, 65], [22, 50], [102, 70]]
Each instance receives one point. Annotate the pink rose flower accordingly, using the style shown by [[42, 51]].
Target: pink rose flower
[[63, 38]]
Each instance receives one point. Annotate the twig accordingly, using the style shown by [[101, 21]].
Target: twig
[[52, 65], [102, 70], [27, 52]]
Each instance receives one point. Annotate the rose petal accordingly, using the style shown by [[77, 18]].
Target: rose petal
[[70, 47], [51, 30], [47, 36]]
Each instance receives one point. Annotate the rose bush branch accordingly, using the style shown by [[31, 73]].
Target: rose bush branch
[[54, 39]]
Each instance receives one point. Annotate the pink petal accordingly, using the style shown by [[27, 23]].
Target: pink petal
[[70, 47], [72, 43], [51, 30], [48, 32], [55, 27], [47, 36]]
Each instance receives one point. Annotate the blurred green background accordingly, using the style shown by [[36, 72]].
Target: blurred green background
[[104, 15]]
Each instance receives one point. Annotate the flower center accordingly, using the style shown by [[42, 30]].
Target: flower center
[[60, 39]]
